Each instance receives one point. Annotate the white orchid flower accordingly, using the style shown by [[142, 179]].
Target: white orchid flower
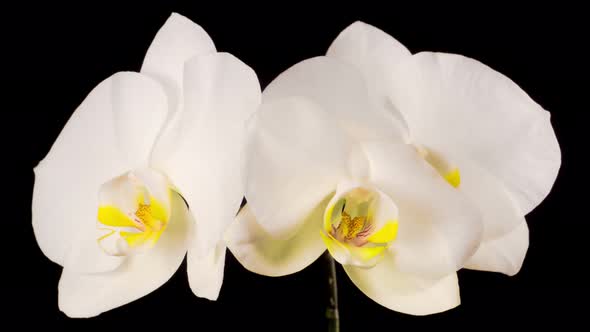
[[108, 198], [405, 167]]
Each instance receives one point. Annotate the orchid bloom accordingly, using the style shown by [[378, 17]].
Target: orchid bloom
[[406, 168], [109, 198]]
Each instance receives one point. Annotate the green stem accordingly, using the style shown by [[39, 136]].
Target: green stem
[[332, 311]]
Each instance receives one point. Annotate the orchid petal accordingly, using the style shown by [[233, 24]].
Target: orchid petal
[[205, 273], [439, 228], [178, 40], [499, 211], [504, 254], [340, 89], [261, 253], [206, 162], [403, 292], [375, 54], [456, 104], [296, 157]]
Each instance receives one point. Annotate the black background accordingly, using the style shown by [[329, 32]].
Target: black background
[[56, 55]]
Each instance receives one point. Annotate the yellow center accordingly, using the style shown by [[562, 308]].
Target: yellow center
[[143, 227], [350, 229], [144, 213]]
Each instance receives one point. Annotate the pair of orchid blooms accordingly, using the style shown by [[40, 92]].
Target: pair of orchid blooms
[[405, 167]]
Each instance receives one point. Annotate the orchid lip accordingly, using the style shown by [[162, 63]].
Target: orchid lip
[[132, 213]]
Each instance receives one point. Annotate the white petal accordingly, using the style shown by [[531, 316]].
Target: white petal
[[505, 254], [500, 213], [206, 162], [178, 40], [340, 89], [457, 104], [261, 253], [140, 107], [94, 146], [87, 295], [375, 54], [505, 237], [439, 229], [296, 156], [399, 291], [205, 273]]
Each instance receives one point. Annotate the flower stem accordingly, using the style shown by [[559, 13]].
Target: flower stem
[[332, 311]]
